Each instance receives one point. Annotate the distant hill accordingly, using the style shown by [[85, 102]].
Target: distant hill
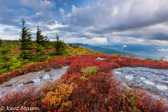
[[110, 51], [134, 48]]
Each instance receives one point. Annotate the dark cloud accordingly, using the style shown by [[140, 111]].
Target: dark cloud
[[159, 36], [134, 23], [119, 15]]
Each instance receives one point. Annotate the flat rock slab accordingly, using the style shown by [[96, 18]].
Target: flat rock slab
[[36, 79], [154, 81], [99, 58]]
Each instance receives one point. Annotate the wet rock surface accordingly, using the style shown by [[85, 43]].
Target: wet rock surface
[[36, 79], [154, 81]]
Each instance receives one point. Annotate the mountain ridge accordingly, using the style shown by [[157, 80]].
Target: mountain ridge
[[110, 51]]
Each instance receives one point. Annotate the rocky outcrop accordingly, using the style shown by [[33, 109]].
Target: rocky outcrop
[[154, 81], [36, 79]]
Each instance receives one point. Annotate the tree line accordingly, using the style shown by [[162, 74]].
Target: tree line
[[41, 42], [29, 51], [39, 50]]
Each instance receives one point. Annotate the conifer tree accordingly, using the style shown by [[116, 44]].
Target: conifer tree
[[40, 39], [45, 41], [60, 46], [40, 53], [26, 46], [38, 36]]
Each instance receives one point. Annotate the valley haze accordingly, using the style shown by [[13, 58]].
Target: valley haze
[[139, 51]]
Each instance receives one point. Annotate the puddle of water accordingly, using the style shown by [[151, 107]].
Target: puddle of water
[[148, 82], [162, 87], [129, 77]]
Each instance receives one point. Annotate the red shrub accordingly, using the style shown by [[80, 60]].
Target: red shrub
[[35, 67], [90, 95], [78, 64], [107, 67], [135, 62], [98, 92]]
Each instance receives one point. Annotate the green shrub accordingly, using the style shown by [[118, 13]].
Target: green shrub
[[83, 78], [66, 53], [117, 54], [60, 46], [89, 70], [1, 43], [149, 59], [74, 46], [40, 54], [51, 54]]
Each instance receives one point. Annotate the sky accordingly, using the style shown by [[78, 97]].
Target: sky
[[102, 22]]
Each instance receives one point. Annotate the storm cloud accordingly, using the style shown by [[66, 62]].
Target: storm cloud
[[120, 15], [116, 17]]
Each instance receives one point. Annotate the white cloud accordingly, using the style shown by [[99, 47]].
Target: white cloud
[[99, 40], [93, 41], [8, 32], [56, 25]]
